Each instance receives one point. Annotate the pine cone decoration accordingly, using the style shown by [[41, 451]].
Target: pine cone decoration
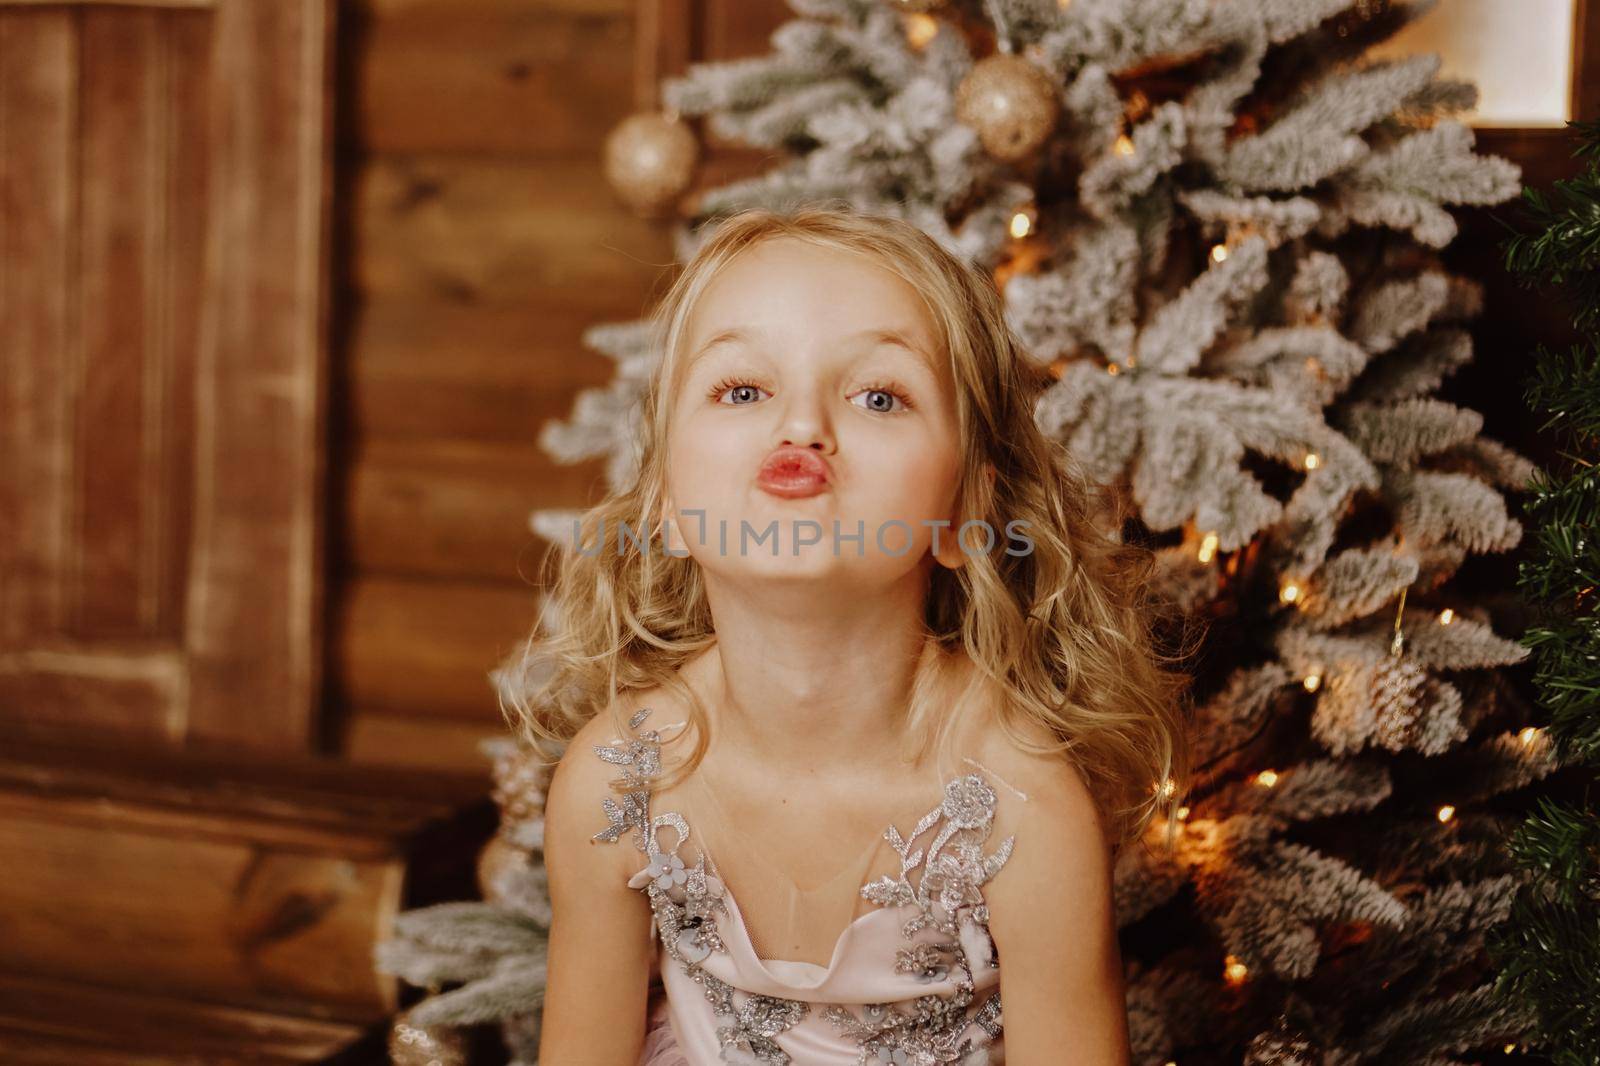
[[500, 866], [1398, 689], [520, 777], [425, 1045]]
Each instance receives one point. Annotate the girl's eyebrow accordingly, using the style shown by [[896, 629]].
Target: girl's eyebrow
[[879, 336]]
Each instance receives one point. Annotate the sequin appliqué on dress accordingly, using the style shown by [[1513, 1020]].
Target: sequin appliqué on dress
[[944, 941]]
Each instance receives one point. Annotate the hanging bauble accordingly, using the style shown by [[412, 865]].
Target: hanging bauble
[[411, 1044], [1010, 102], [499, 863], [650, 160]]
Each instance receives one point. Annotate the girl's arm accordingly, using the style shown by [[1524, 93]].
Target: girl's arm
[[600, 951], [1054, 930]]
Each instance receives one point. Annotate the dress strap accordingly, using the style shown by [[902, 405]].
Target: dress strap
[[997, 777]]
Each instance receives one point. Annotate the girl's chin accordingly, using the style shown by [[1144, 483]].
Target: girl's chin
[[816, 565]]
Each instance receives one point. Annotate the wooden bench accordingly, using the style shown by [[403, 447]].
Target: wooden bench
[[207, 906]]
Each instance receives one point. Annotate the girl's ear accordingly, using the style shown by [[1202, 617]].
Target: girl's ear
[[950, 554]]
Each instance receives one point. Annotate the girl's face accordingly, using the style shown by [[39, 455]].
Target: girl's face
[[794, 346]]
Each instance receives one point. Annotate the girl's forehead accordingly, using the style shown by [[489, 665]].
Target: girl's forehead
[[786, 288], [789, 277]]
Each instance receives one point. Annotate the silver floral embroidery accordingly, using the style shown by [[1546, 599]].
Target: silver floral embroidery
[[948, 897], [925, 1031]]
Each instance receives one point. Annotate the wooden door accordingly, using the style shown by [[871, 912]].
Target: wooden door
[[163, 220]]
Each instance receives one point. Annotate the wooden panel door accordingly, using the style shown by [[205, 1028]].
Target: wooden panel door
[[163, 221]]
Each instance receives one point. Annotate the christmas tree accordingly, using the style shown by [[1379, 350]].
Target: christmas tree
[[1549, 947], [1219, 225]]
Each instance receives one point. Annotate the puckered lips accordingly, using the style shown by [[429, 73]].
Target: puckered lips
[[793, 473]]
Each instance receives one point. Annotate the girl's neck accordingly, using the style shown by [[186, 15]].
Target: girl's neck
[[824, 690]]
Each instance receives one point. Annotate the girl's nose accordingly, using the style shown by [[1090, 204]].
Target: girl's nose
[[806, 423]]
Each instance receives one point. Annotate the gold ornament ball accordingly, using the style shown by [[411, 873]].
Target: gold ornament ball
[[650, 160], [418, 1045], [1010, 102], [498, 858]]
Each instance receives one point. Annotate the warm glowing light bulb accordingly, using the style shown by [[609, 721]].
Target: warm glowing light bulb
[[920, 29], [1166, 788], [1021, 225], [1183, 812], [1509, 1048], [1290, 592], [1527, 735], [1113, 369], [1313, 460], [1446, 813], [1124, 145], [1234, 970], [1312, 682], [1267, 778], [1446, 616], [1219, 252], [1208, 547]]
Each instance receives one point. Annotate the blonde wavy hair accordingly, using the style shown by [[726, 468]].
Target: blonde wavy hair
[[1063, 634]]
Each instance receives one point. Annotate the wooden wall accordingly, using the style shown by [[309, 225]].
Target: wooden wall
[[478, 241]]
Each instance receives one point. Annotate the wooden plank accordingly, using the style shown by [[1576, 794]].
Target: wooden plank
[[500, 81], [233, 921], [496, 374], [46, 1022], [188, 96], [380, 9], [1585, 96], [376, 738], [495, 232], [254, 616], [123, 689], [454, 509], [38, 121], [304, 803], [112, 591], [425, 648], [178, 4], [666, 41]]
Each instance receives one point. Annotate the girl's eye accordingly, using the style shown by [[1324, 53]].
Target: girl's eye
[[745, 391], [882, 399]]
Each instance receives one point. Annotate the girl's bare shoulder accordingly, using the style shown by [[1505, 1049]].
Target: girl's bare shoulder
[[1024, 753], [575, 807]]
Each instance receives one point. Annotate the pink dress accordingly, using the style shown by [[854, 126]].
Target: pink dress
[[914, 980]]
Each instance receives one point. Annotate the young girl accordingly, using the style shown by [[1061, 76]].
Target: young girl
[[857, 693]]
